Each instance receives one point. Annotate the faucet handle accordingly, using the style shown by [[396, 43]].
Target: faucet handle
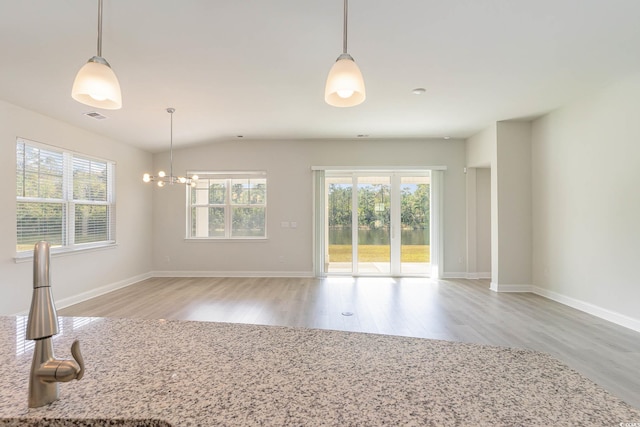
[[77, 355]]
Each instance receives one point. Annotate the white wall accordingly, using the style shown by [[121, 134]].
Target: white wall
[[511, 268], [505, 148], [586, 210], [482, 152], [481, 148], [288, 165], [483, 222], [81, 273], [478, 223]]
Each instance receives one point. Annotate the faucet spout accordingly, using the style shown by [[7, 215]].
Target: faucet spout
[[43, 318]]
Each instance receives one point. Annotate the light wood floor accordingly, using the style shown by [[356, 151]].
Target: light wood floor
[[458, 310]]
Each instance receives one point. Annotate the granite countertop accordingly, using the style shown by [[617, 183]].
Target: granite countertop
[[208, 374]]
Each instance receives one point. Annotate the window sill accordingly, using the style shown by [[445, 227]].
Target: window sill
[[27, 256], [221, 240]]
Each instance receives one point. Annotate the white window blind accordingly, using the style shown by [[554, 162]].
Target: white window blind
[[62, 197], [40, 197]]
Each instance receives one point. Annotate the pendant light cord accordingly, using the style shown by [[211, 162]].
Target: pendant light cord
[[344, 39], [100, 28]]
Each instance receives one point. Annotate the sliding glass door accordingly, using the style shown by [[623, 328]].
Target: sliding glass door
[[376, 223], [373, 237], [415, 221], [339, 225]]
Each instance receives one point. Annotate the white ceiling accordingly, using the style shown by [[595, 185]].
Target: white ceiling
[[257, 67]]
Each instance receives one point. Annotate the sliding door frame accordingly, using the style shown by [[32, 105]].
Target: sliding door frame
[[436, 209]]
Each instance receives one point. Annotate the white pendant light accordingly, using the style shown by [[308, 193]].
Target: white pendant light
[[96, 84], [345, 85], [162, 178]]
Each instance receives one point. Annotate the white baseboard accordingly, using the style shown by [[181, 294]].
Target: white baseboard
[[476, 276], [454, 275], [603, 313], [75, 299], [181, 273], [464, 275], [495, 287]]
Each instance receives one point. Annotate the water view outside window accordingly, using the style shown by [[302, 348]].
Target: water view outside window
[[339, 256], [415, 254], [375, 222]]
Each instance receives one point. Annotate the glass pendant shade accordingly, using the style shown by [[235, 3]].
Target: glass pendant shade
[[97, 85], [345, 85]]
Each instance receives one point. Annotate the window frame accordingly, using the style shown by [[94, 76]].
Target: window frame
[[228, 205], [69, 202]]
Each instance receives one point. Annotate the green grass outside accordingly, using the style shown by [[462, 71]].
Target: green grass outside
[[379, 253]]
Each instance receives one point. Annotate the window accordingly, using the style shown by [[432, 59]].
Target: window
[[230, 205], [62, 197]]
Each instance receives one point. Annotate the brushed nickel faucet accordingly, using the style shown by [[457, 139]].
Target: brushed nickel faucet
[[46, 370]]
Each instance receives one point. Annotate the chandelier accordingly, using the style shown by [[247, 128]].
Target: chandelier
[[162, 178]]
